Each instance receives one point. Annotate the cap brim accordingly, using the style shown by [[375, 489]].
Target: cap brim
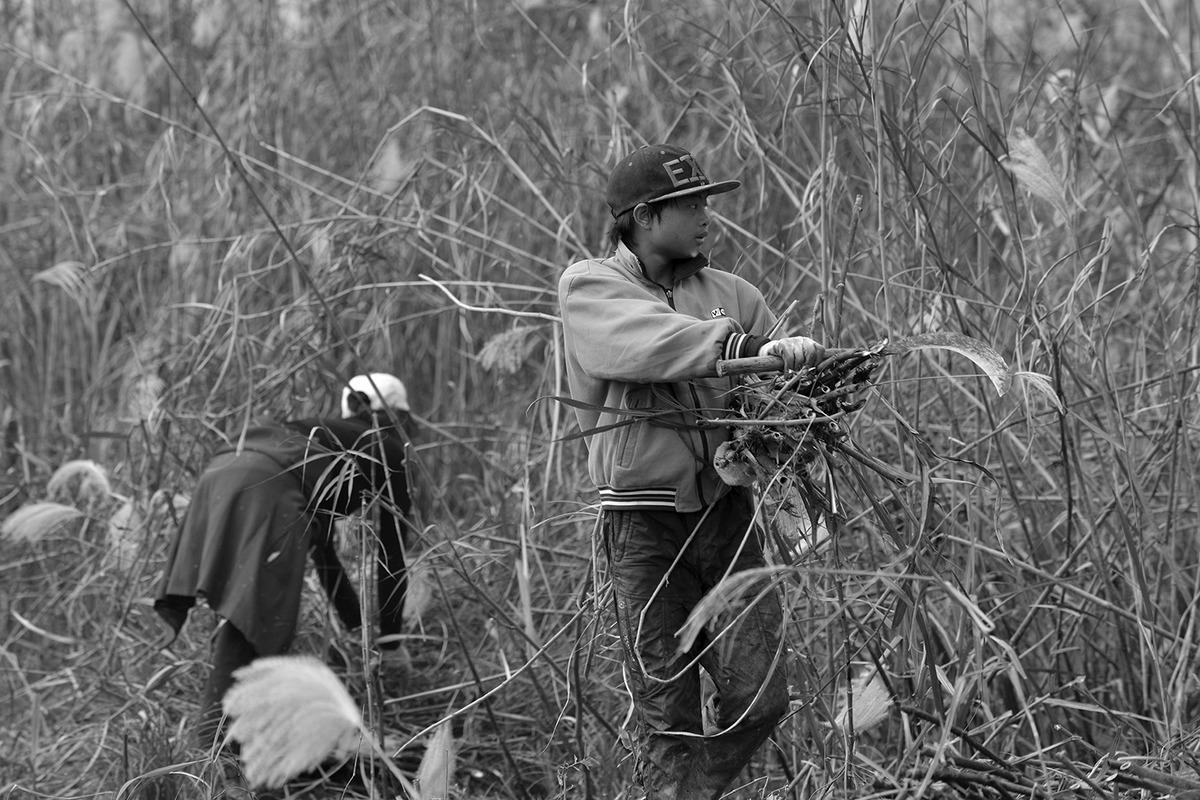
[[720, 187]]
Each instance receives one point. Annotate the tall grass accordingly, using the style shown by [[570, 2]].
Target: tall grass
[[404, 182]]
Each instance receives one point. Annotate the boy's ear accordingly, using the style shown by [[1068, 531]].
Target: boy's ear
[[642, 215]]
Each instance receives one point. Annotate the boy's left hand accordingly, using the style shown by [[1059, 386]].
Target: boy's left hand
[[796, 351]]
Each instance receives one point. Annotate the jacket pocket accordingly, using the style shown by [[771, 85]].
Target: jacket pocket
[[637, 397]]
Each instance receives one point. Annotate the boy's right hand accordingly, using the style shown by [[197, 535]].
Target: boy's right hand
[[796, 351]]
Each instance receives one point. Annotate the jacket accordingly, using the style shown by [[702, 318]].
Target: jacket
[[641, 365], [255, 513]]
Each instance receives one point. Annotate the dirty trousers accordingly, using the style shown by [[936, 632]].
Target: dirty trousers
[[662, 563]]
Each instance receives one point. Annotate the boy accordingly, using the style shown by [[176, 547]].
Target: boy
[[644, 329]]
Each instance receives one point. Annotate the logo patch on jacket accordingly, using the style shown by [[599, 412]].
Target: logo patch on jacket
[[719, 311]]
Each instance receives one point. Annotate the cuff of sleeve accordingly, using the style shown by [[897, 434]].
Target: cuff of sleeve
[[743, 345]]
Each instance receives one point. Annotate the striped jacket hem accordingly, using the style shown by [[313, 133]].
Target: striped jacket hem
[[633, 499]]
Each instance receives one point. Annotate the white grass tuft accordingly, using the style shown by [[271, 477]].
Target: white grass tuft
[[136, 523], [123, 540], [867, 704], [436, 772], [419, 595], [81, 481], [110, 14], [177, 502], [72, 53], [391, 169], [1031, 168], [128, 66], [36, 521], [143, 401], [295, 17], [209, 22], [509, 350], [290, 713], [75, 281]]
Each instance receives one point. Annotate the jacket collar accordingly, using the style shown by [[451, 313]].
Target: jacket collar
[[684, 268]]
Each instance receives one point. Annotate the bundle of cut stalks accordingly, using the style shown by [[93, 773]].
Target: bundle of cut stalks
[[783, 422], [788, 427]]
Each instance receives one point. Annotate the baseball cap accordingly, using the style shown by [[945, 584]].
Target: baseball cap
[[658, 172], [391, 394]]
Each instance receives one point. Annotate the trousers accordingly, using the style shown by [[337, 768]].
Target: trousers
[[230, 651], [662, 563]]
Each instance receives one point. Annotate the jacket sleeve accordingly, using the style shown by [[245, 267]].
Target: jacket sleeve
[[756, 318], [621, 331]]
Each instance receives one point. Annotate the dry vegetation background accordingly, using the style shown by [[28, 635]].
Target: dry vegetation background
[[396, 185]]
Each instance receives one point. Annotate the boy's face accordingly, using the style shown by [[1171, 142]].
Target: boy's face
[[680, 230]]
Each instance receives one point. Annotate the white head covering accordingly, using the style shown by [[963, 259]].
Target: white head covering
[[392, 393]]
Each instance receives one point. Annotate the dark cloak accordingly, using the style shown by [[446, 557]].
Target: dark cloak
[[257, 511]]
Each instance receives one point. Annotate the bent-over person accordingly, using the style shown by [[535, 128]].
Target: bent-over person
[[261, 507]]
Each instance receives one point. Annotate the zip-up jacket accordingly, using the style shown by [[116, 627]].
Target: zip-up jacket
[[641, 366]]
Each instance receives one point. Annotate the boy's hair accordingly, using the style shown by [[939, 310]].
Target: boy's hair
[[623, 228]]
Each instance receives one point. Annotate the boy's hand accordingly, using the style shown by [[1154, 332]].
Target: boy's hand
[[796, 351]]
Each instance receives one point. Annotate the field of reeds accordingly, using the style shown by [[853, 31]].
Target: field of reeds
[[215, 211]]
